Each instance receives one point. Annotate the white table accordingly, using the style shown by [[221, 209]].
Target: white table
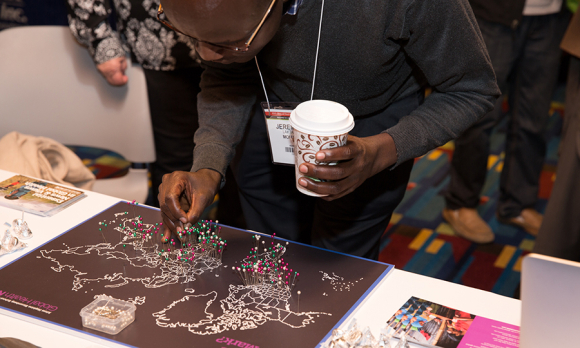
[[397, 288]]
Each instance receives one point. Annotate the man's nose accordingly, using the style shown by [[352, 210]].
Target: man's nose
[[209, 53]]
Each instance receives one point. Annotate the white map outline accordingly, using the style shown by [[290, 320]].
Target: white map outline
[[146, 255], [246, 306]]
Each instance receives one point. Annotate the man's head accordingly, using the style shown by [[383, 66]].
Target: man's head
[[221, 26]]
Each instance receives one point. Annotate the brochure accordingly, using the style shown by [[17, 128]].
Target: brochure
[[431, 324], [37, 196]]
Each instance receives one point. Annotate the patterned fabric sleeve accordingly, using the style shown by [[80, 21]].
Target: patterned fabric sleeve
[[89, 23]]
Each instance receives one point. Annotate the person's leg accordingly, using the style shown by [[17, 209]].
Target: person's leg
[[469, 162], [173, 106], [534, 81], [229, 211], [470, 157], [355, 223], [268, 195], [559, 234]]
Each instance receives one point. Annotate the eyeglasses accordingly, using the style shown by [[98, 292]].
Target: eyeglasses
[[246, 46]]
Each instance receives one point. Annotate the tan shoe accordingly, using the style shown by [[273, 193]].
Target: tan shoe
[[529, 219], [468, 224]]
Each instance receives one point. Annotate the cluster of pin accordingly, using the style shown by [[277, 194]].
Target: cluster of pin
[[353, 337], [136, 228], [265, 266], [198, 242], [107, 312], [147, 235], [202, 239]]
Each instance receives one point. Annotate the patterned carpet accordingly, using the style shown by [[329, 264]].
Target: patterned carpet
[[419, 240]]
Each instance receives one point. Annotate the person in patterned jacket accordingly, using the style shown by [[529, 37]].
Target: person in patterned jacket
[[168, 60]]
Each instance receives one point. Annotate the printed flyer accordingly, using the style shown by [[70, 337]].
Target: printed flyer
[[432, 324], [36, 196]]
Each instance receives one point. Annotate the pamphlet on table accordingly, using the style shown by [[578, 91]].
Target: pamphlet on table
[[430, 323], [36, 196]]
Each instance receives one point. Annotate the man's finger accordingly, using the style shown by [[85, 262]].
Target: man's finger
[[200, 201], [166, 235], [333, 190], [326, 172], [172, 206], [348, 151], [168, 228]]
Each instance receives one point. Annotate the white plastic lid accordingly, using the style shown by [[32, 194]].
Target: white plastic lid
[[322, 117]]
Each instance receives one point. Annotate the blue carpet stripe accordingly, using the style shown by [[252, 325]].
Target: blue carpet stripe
[[402, 207], [432, 211], [505, 275], [438, 261], [428, 167], [423, 201], [421, 258], [463, 269]]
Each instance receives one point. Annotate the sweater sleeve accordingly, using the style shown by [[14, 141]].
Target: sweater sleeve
[[228, 94], [89, 23], [443, 40]]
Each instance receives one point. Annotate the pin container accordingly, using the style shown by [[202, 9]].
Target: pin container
[[108, 314]]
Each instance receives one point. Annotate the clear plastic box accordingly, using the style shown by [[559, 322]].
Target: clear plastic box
[[108, 314]]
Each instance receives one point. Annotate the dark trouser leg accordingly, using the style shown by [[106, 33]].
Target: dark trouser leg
[[469, 162], [355, 223], [559, 235], [173, 105], [268, 195], [533, 84], [352, 224]]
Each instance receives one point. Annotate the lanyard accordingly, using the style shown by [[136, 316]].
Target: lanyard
[[315, 62]]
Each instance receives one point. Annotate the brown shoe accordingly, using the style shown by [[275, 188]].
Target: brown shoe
[[468, 224], [529, 219]]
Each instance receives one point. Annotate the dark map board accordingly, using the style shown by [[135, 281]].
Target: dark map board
[[209, 309]]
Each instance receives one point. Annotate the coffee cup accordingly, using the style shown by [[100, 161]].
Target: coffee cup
[[317, 125]]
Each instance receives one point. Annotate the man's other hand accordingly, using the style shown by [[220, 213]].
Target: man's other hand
[[358, 160]]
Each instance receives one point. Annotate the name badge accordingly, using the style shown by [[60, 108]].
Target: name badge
[[280, 131]]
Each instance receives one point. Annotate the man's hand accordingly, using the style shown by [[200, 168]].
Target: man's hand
[[183, 196], [114, 71], [359, 159]]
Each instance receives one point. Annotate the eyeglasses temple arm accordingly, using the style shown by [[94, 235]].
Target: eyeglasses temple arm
[[259, 25]]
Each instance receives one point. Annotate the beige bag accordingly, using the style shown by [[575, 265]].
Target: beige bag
[[45, 159]]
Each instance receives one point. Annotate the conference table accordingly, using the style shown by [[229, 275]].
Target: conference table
[[373, 311]]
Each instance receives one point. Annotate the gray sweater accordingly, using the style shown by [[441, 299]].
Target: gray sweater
[[372, 53]]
